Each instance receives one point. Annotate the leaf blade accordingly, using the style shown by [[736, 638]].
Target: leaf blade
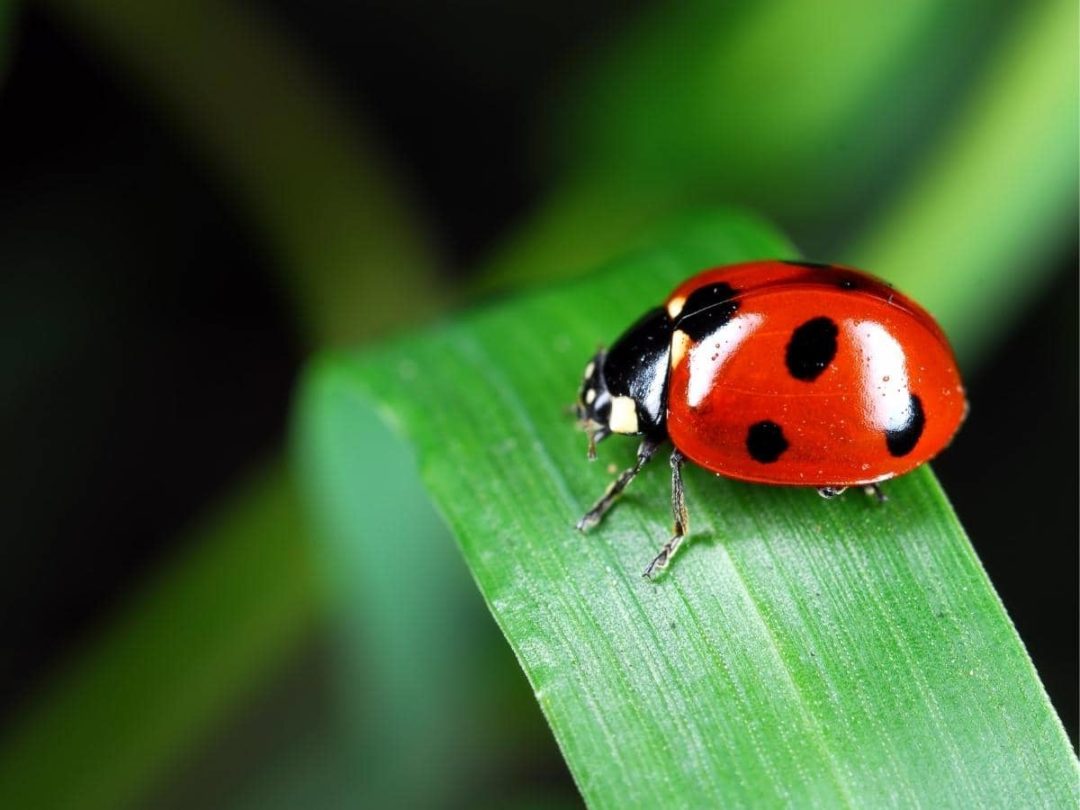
[[799, 651]]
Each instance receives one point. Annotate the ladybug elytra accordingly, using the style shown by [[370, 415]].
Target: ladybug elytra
[[775, 372]]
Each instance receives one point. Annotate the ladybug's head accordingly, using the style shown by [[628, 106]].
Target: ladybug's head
[[594, 403], [625, 389]]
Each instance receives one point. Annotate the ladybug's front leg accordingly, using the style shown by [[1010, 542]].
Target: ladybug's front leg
[[678, 512], [645, 451]]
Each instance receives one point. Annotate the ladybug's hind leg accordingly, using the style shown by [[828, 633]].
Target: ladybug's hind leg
[[678, 512], [646, 450], [876, 491]]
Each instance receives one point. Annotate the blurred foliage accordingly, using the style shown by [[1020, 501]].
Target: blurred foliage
[[806, 111], [976, 228], [195, 638], [306, 171], [883, 135], [752, 100]]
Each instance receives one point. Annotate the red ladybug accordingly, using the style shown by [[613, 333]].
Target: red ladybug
[[787, 373]]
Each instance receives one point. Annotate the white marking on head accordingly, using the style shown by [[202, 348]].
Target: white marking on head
[[590, 396], [675, 305], [680, 343], [623, 417], [589, 369]]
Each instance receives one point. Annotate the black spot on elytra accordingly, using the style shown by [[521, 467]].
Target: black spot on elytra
[[902, 440], [706, 310], [811, 265], [847, 284], [811, 348], [765, 441]]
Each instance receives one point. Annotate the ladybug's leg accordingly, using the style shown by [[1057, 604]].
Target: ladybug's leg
[[828, 493], [678, 512], [645, 451], [870, 489], [876, 491]]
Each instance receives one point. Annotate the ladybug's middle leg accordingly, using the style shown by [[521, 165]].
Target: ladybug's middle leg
[[678, 512], [645, 451]]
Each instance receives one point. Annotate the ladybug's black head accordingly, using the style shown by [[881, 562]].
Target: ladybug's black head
[[625, 388], [594, 402]]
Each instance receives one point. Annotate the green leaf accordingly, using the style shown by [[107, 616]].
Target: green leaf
[[798, 652]]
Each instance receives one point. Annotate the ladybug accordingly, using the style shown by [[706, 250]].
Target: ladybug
[[776, 372]]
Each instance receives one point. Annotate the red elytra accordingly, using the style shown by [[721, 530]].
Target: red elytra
[[877, 367], [786, 373]]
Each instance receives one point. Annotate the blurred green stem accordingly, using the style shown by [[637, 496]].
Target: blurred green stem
[[581, 224], [204, 631], [991, 204], [794, 109], [352, 250]]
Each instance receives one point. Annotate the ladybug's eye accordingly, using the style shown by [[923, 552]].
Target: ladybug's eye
[[593, 399]]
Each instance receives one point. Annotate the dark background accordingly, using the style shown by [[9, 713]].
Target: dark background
[[148, 362]]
